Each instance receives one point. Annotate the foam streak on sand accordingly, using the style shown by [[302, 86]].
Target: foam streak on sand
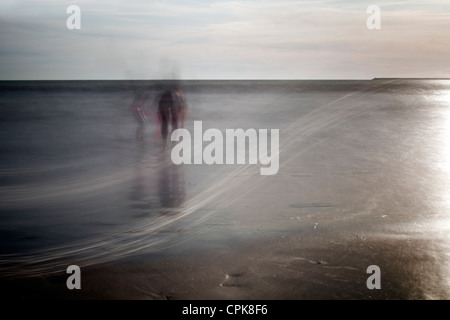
[[125, 242], [334, 113]]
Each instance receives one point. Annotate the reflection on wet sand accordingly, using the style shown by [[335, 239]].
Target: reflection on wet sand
[[160, 191], [171, 186], [140, 186]]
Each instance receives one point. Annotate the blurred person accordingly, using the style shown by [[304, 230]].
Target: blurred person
[[171, 109], [140, 114]]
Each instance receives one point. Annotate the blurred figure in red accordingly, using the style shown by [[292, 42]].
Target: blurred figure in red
[[141, 116], [171, 109]]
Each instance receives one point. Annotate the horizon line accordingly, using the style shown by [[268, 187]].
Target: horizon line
[[227, 79]]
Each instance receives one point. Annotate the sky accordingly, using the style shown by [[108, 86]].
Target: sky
[[252, 39]]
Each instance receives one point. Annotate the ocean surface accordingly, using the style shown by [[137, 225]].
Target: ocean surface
[[77, 187]]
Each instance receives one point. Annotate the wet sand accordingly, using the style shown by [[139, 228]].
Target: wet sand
[[363, 181], [272, 268]]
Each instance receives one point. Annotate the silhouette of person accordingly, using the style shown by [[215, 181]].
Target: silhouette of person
[[171, 109]]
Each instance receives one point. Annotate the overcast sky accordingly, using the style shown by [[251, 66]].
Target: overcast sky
[[140, 39]]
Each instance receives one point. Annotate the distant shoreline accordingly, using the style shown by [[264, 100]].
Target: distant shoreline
[[411, 79]]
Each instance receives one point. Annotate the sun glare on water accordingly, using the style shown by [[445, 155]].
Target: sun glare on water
[[442, 161]]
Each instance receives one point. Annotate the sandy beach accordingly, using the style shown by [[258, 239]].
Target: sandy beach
[[363, 180]]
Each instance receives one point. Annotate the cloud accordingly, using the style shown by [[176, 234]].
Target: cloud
[[224, 39]]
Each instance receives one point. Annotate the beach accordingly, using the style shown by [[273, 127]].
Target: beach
[[363, 180]]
